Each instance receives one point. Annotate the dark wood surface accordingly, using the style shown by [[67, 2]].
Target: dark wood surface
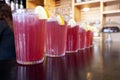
[[100, 62]]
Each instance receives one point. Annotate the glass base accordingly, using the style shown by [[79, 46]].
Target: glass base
[[55, 55], [89, 46], [81, 49], [30, 62], [71, 51]]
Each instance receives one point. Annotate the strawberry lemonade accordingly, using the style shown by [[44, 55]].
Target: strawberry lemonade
[[30, 33], [72, 37], [82, 34], [56, 37], [88, 36]]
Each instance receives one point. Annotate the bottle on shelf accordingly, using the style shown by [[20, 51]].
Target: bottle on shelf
[[12, 6], [7, 2], [21, 4], [78, 1], [16, 5]]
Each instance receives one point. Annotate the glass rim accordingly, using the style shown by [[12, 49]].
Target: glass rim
[[23, 11]]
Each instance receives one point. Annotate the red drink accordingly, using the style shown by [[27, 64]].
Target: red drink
[[72, 39], [29, 34], [89, 39], [82, 34], [56, 39]]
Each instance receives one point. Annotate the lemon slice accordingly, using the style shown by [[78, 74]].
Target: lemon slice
[[60, 20], [42, 12], [86, 27]]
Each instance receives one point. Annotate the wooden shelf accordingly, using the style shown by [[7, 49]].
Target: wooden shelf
[[107, 1], [101, 10], [111, 12], [34, 3], [85, 3]]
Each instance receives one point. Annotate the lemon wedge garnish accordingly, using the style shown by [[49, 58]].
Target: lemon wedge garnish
[[60, 20], [42, 12], [85, 26]]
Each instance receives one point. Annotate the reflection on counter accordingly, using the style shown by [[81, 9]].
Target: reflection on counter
[[93, 63], [72, 64], [55, 68], [31, 72]]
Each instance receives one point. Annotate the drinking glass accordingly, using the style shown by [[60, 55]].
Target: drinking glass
[[56, 38], [82, 34], [88, 39], [72, 39], [30, 33], [91, 39]]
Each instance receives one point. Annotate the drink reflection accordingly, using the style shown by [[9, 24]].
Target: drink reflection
[[55, 68], [78, 63], [87, 54], [75, 64], [31, 72]]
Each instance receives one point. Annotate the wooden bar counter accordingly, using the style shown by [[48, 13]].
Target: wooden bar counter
[[100, 62]]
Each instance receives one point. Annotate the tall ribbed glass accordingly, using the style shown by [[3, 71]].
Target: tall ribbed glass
[[30, 33], [56, 39]]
